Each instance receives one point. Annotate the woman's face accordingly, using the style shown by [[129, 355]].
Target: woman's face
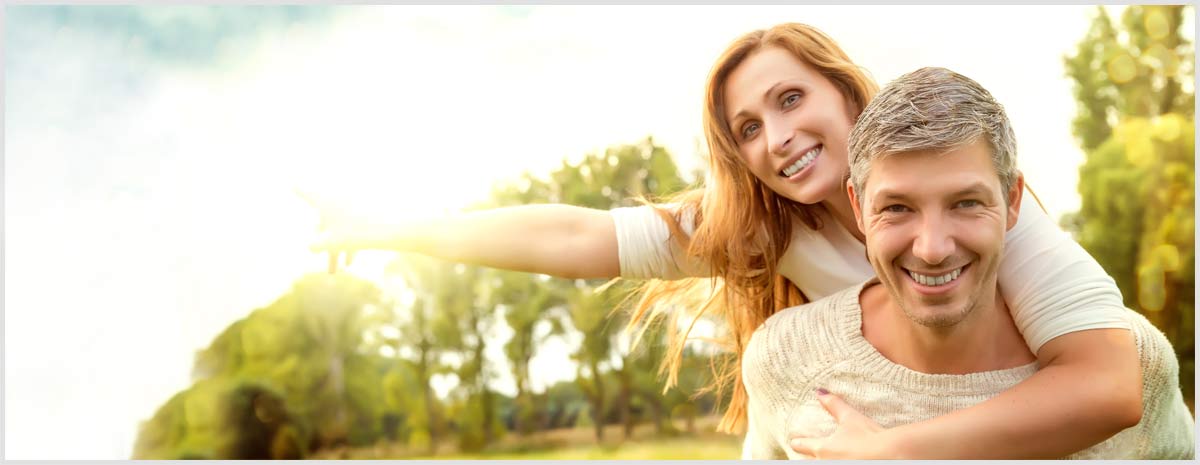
[[790, 124]]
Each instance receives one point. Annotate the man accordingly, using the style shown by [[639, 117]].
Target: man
[[931, 334]]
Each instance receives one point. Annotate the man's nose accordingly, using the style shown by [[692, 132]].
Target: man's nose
[[934, 242]]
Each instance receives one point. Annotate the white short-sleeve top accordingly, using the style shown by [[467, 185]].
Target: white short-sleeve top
[[1051, 285]]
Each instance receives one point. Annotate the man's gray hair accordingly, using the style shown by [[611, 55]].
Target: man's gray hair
[[931, 109]]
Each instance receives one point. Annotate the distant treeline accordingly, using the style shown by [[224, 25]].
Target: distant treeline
[[337, 361]]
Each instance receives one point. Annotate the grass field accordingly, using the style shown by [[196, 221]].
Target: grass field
[[575, 444], [677, 448]]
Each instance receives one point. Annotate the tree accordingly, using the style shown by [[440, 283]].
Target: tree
[[278, 383], [601, 181], [606, 181], [457, 312], [409, 383], [588, 315], [527, 302], [1135, 123], [471, 317]]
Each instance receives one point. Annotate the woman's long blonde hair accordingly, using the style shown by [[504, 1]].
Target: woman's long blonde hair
[[742, 226]]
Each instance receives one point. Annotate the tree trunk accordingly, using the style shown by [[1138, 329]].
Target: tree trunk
[[597, 402], [423, 372], [656, 409], [544, 420], [485, 395], [625, 399], [521, 375]]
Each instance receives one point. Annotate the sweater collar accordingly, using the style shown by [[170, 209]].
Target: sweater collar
[[871, 361]]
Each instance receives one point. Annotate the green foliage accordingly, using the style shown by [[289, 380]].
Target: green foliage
[[601, 181], [564, 402], [584, 419], [333, 363], [222, 418], [286, 379], [1136, 124], [460, 316]]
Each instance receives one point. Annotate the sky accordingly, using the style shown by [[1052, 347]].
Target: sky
[[152, 154]]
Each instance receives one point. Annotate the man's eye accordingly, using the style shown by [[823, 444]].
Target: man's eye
[[894, 208], [749, 130], [968, 203]]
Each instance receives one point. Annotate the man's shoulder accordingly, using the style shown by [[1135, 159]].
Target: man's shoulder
[[1151, 341], [794, 347], [797, 335], [824, 314], [1167, 427]]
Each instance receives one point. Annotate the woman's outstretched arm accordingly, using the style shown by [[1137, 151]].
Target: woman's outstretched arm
[[557, 240]]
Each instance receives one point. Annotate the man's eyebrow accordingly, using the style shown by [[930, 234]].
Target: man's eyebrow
[[885, 194], [975, 188]]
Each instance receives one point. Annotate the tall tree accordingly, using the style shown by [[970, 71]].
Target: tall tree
[[277, 383], [605, 181], [1135, 123], [528, 302], [410, 409], [457, 305], [589, 316], [601, 181]]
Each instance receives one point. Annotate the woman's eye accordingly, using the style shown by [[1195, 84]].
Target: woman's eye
[[791, 99], [749, 130]]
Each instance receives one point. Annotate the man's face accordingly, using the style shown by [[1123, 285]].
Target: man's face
[[934, 224]]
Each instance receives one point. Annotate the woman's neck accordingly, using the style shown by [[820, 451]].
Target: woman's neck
[[840, 208]]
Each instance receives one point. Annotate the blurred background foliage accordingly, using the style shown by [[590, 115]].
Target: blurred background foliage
[[1134, 83], [343, 368]]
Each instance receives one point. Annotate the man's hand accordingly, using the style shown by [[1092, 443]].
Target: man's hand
[[856, 436]]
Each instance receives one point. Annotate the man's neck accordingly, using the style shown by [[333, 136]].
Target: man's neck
[[986, 340]]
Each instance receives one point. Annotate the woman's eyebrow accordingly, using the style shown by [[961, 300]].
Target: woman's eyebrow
[[766, 95]]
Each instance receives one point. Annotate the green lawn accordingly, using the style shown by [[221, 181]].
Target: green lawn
[[680, 448], [574, 444]]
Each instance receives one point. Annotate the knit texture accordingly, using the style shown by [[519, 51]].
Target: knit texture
[[821, 345]]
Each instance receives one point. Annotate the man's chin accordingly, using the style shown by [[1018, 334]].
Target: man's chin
[[929, 304], [942, 314]]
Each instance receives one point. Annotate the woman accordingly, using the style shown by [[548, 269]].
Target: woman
[[775, 224]]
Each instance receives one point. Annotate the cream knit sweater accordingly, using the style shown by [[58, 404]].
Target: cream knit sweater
[[821, 345]]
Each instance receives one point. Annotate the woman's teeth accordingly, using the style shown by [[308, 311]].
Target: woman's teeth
[[935, 280], [802, 163]]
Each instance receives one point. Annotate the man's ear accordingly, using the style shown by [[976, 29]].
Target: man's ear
[[1014, 199], [855, 205]]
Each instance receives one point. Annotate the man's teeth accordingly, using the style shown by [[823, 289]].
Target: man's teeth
[[935, 280], [802, 162]]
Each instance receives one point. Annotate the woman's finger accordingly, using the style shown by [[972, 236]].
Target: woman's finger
[[805, 446], [838, 408]]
